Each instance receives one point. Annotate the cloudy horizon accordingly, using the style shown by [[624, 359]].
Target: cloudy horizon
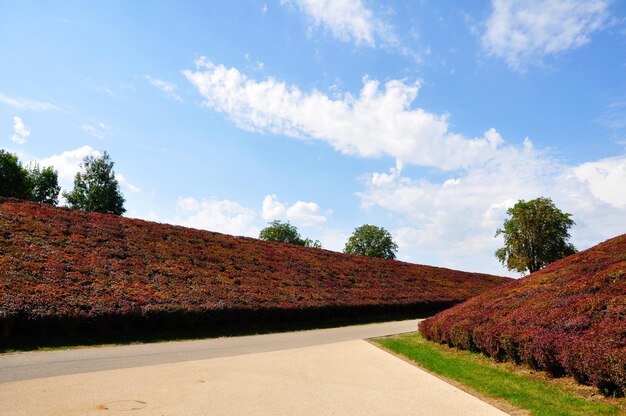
[[428, 120]]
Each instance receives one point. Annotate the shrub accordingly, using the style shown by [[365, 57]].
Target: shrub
[[71, 271], [566, 319]]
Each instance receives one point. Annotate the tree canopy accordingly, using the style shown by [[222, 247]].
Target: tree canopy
[[44, 184], [13, 177], [372, 241], [535, 235], [95, 187], [284, 232], [33, 183]]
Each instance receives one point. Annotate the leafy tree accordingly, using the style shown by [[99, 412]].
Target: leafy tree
[[535, 235], [31, 183], [95, 188], [43, 184], [312, 243], [13, 177], [284, 232], [372, 241]]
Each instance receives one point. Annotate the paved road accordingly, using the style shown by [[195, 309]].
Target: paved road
[[30, 365], [342, 378]]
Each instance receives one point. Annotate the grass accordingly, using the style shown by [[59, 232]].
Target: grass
[[538, 395]]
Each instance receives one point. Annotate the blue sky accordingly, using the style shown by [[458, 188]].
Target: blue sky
[[427, 118]]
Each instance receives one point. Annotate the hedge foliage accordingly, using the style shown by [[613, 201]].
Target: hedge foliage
[[64, 272], [567, 319]]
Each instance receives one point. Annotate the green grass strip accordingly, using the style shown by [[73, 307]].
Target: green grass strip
[[540, 397]]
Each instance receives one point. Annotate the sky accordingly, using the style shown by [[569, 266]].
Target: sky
[[428, 118]]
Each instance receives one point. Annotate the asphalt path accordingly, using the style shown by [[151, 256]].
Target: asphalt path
[[339, 379], [39, 364]]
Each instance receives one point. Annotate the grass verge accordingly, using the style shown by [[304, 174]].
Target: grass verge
[[536, 394]]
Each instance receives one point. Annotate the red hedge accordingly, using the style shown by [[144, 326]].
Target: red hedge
[[62, 268], [568, 318]]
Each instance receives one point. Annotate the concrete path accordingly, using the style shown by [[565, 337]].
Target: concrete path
[[37, 364], [342, 378]]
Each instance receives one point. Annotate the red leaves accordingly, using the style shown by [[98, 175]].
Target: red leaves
[[57, 262], [569, 318]]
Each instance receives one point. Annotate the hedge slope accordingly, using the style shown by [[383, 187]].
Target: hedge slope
[[568, 318], [68, 271]]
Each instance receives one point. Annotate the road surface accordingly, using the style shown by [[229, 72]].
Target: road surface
[[38, 364], [320, 372]]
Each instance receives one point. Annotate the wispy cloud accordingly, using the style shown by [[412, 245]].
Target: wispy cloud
[[254, 64], [125, 184], [99, 130], [25, 104], [20, 131], [168, 88], [348, 21], [614, 116], [524, 32]]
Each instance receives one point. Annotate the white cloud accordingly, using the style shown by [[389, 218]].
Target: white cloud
[[168, 88], [380, 121], [449, 222], [231, 217], [301, 213], [223, 216], [387, 178], [305, 213], [333, 239], [125, 184], [272, 209], [25, 104], [452, 222], [149, 216], [68, 163], [348, 21], [451, 182], [524, 32], [99, 131], [20, 131], [606, 180]]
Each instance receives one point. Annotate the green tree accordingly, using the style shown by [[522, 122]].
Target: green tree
[[372, 241], [535, 235], [31, 183], [43, 184], [284, 232], [13, 177], [95, 187], [312, 243]]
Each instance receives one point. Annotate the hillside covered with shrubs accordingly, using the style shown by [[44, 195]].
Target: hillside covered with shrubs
[[74, 273], [568, 318]]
